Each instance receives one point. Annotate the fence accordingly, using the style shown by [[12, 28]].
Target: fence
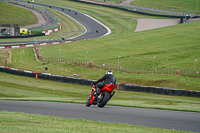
[[104, 66], [138, 8]]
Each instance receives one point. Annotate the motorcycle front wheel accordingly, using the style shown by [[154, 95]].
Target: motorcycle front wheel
[[106, 98], [88, 102]]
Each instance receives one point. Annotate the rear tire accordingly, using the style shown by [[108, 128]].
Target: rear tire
[[112, 94], [106, 98]]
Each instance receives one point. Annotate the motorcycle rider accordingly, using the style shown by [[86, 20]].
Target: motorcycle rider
[[108, 78]]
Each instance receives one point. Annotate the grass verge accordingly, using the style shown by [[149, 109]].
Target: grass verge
[[166, 45], [175, 47], [12, 88], [24, 123], [24, 59]]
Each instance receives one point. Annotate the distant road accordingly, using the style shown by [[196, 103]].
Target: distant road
[[177, 120]]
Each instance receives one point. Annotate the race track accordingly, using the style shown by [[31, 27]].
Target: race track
[[187, 121]]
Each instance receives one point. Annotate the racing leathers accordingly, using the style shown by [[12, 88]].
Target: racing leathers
[[107, 79]]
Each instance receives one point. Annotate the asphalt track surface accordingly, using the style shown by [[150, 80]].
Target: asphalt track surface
[[91, 26], [178, 120]]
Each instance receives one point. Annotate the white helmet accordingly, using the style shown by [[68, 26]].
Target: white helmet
[[109, 72]]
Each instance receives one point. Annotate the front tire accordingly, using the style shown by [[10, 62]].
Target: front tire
[[88, 102], [105, 99]]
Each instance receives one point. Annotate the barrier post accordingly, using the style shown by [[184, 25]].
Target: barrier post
[[118, 87]]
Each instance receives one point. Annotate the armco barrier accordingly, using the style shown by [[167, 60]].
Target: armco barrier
[[127, 87]]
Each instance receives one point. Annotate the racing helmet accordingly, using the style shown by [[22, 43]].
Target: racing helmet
[[109, 72]]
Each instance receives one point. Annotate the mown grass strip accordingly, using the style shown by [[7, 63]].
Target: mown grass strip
[[23, 123], [24, 88]]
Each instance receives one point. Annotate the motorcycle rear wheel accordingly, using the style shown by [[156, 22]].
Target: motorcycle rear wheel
[[105, 99]]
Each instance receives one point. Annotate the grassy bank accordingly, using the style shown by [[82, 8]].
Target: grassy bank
[[23, 88], [16, 15], [174, 47], [23, 123], [12, 88], [24, 58]]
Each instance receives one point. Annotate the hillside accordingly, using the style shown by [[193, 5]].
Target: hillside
[[11, 14], [174, 47]]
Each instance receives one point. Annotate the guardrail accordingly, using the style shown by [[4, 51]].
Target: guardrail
[[105, 66]]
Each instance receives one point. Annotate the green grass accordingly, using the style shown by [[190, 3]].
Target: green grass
[[93, 10], [12, 88], [16, 15], [23, 58], [174, 47], [168, 4], [26, 123]]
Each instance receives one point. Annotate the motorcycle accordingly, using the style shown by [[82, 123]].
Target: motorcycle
[[105, 95]]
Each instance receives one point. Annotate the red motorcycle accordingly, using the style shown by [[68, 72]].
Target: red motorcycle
[[105, 95]]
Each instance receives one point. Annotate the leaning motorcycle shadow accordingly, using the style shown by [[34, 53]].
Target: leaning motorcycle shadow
[[96, 107]]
